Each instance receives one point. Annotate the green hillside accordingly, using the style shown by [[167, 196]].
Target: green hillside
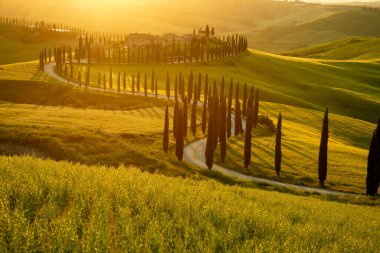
[[353, 48], [339, 25], [50, 206]]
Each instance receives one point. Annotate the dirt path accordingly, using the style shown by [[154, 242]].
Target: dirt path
[[194, 153]]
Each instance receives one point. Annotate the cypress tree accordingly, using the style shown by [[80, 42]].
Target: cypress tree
[[209, 153], [184, 116], [176, 88], [278, 152], [244, 111], [256, 110], [180, 134], [223, 133], [166, 131], [104, 82], [99, 79], [145, 86], [322, 165], [193, 123], [238, 123], [152, 84], [118, 83], [216, 121], [167, 85], [373, 165], [248, 141], [175, 119], [206, 90], [79, 79], [190, 86], [229, 110], [204, 117]]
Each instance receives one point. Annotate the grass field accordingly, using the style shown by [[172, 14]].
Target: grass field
[[346, 87], [354, 48], [50, 206], [348, 149]]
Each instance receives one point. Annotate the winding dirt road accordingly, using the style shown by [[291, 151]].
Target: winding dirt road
[[194, 153]]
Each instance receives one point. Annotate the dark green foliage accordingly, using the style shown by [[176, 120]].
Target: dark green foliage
[[278, 152], [244, 111], [248, 140], [322, 165], [238, 119], [145, 85], [166, 131], [180, 134], [373, 165], [209, 153], [256, 110], [175, 114], [204, 117]]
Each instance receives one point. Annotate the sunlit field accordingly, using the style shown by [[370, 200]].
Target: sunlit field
[[110, 140]]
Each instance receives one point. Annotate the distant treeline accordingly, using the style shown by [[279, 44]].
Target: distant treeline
[[370, 9], [198, 49]]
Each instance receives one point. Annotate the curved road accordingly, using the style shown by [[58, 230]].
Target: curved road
[[194, 153]]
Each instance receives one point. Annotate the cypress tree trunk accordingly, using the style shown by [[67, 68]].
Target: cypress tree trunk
[[256, 110], [175, 120], [184, 116], [179, 139], [373, 165], [278, 152], [223, 133], [194, 118], [244, 111], [247, 141], [322, 165], [166, 131], [204, 117], [229, 110]]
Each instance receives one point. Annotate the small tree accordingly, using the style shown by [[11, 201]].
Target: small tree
[[222, 130], [166, 131], [179, 139], [248, 141], [322, 165], [209, 153], [204, 117], [238, 123], [229, 110], [175, 119], [244, 111], [145, 86], [278, 152], [184, 116], [373, 165]]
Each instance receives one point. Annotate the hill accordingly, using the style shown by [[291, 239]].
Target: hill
[[58, 206], [353, 48], [346, 23]]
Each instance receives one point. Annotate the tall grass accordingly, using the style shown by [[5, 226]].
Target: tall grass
[[60, 207]]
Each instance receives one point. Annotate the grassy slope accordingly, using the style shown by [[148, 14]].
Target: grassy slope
[[355, 48], [300, 146], [19, 46], [66, 207], [344, 23], [346, 87]]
